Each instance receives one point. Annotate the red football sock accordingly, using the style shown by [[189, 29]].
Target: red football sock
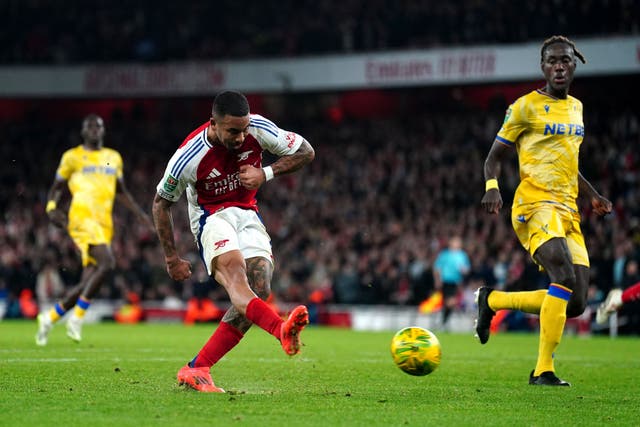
[[221, 342], [631, 293], [262, 315]]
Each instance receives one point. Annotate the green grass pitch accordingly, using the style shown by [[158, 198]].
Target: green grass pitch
[[124, 375]]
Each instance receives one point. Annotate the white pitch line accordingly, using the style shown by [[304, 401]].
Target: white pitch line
[[49, 360], [115, 360]]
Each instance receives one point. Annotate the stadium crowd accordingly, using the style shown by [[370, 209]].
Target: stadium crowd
[[362, 225], [364, 222], [103, 31]]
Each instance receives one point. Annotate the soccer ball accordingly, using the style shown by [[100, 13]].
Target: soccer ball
[[416, 350]]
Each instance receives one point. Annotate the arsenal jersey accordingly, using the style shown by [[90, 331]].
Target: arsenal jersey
[[209, 172]]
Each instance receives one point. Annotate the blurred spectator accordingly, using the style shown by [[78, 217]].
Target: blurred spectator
[[369, 215]]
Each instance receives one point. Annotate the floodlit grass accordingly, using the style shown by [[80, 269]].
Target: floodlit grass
[[123, 375]]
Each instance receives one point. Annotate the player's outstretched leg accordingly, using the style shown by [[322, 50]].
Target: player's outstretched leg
[[547, 378], [44, 327], [291, 328], [485, 314], [74, 328], [198, 379], [610, 305]]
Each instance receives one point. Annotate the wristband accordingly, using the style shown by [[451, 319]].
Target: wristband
[[268, 173], [491, 184], [51, 205]]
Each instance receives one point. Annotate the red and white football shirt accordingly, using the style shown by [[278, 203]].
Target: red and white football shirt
[[210, 172]]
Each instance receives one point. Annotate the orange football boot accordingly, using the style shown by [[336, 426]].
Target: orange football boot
[[291, 328], [198, 379]]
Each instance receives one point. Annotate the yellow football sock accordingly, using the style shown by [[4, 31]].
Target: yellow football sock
[[82, 305], [553, 315], [56, 312], [527, 301]]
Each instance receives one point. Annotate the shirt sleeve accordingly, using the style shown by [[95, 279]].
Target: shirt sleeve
[[119, 164], [66, 166], [173, 182], [273, 139], [514, 123]]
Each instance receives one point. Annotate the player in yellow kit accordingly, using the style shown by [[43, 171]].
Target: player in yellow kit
[[94, 176], [546, 128]]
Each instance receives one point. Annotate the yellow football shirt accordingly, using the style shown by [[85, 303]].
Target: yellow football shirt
[[92, 178], [547, 133]]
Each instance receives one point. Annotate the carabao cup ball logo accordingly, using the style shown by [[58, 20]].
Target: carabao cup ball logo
[[416, 351]]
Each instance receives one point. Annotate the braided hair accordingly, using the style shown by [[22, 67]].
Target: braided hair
[[561, 39]]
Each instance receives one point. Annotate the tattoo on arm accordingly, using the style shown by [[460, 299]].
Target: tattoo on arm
[[295, 161], [164, 225]]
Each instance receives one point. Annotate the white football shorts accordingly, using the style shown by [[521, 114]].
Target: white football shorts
[[234, 229]]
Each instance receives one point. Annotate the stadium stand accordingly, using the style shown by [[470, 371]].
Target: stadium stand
[[103, 31]]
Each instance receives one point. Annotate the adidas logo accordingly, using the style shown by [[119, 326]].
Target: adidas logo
[[214, 173]]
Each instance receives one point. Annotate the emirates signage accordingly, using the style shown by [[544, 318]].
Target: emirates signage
[[485, 64]]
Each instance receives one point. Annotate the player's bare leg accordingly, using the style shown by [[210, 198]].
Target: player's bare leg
[[259, 274], [105, 264], [233, 326], [555, 257], [578, 302]]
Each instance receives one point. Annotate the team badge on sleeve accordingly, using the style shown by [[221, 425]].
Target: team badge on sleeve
[[507, 115], [170, 183]]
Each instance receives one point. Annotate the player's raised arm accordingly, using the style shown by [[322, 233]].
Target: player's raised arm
[[252, 177], [291, 163]]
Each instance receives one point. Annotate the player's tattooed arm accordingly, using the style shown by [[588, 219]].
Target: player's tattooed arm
[[163, 222], [292, 162], [178, 268]]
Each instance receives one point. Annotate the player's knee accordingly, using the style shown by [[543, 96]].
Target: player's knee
[[567, 282], [576, 306], [577, 303], [106, 264], [564, 276]]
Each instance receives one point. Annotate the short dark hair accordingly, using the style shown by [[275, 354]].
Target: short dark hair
[[91, 116], [230, 103], [561, 39]]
